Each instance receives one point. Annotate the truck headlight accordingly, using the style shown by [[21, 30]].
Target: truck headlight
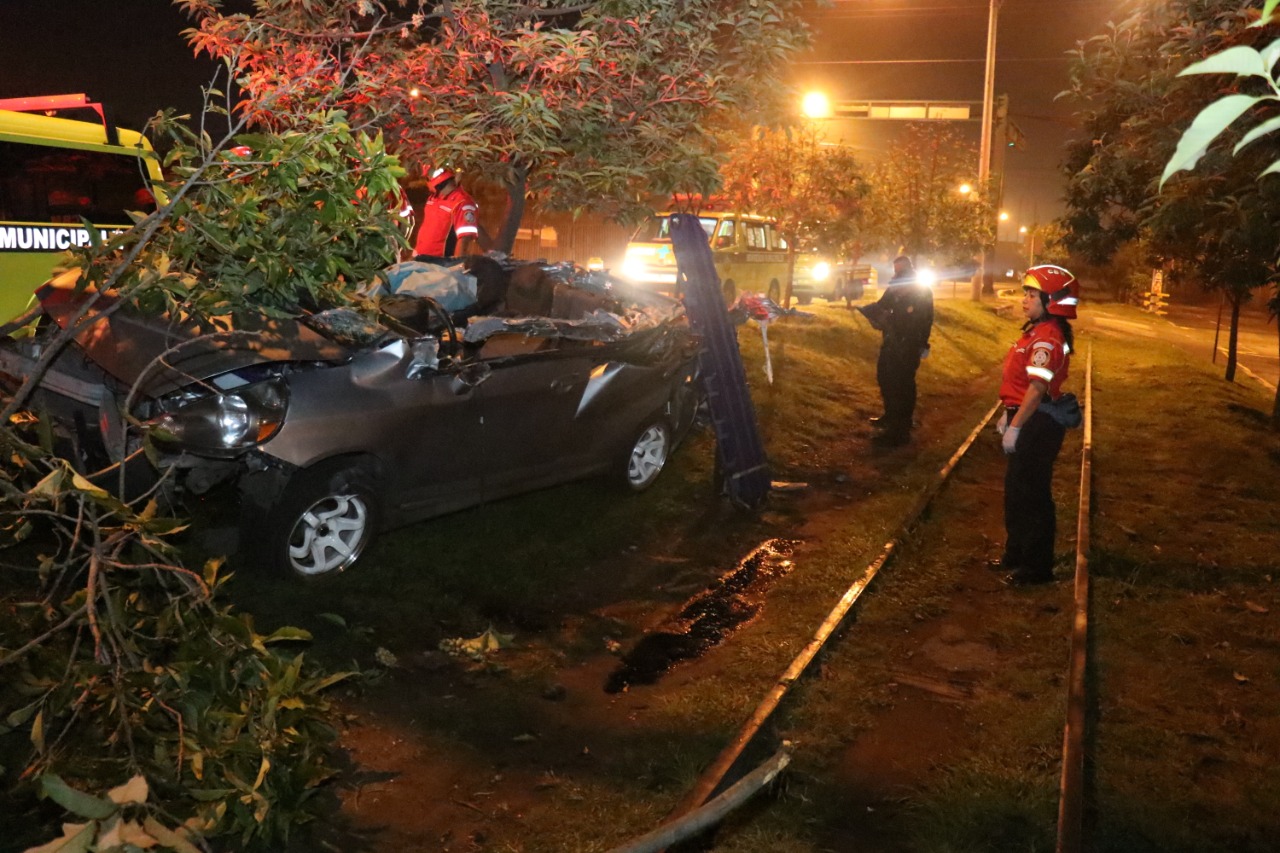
[[821, 270], [632, 267], [228, 421]]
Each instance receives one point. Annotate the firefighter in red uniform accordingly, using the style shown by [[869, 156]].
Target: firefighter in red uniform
[[1034, 371], [450, 226]]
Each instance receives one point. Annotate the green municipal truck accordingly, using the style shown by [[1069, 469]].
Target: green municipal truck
[[56, 174]]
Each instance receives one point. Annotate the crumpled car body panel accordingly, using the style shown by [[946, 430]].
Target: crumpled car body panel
[[544, 410]]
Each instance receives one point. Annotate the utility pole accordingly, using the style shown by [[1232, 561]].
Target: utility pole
[[984, 150]]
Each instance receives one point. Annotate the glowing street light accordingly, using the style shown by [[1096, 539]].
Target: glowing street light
[[816, 105], [1004, 216], [965, 189]]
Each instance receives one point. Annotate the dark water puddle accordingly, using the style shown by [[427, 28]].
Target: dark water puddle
[[707, 618]]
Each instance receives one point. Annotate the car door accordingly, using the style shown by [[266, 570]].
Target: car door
[[435, 432], [530, 435]]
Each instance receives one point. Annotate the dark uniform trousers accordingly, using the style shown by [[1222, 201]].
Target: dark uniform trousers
[[896, 374], [1030, 521]]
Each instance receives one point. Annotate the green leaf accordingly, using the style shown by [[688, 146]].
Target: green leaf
[[334, 618], [76, 802], [287, 633], [76, 838], [1244, 61], [1196, 139], [1268, 126], [330, 680], [1267, 8], [80, 483], [49, 486]]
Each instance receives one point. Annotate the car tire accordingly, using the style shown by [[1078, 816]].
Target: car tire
[[647, 455], [325, 520], [805, 299]]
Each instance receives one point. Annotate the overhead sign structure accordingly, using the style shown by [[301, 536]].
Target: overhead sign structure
[[907, 110]]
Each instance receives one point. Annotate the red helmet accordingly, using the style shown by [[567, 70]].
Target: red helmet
[[437, 178], [1058, 285]]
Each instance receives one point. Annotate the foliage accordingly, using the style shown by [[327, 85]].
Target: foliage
[[112, 821], [814, 191], [1216, 226], [280, 221], [1045, 244], [584, 106], [915, 200], [119, 662]]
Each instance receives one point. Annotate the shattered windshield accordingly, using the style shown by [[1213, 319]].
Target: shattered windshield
[[349, 328]]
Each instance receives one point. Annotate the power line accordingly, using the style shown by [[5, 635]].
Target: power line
[[925, 61]]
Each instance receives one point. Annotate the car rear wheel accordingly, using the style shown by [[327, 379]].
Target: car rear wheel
[[648, 455], [729, 292], [325, 521]]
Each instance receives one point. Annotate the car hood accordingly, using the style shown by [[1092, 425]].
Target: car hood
[[126, 344]]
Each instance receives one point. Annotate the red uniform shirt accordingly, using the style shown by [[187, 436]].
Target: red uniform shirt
[[455, 212], [1041, 353]]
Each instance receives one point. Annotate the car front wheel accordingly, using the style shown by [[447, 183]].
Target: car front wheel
[[649, 453], [326, 520]]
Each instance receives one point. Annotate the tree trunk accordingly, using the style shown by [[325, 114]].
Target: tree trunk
[[514, 214], [1233, 338], [1275, 315]]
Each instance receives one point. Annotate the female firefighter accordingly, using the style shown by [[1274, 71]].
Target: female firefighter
[[1031, 427]]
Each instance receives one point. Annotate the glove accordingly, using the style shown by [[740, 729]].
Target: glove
[[1003, 423], [1010, 440], [924, 352]]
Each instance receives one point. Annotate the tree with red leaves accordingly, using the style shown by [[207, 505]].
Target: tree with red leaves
[[597, 105]]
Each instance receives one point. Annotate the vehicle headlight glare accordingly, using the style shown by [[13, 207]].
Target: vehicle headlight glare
[[231, 421], [821, 270], [632, 266], [926, 277]]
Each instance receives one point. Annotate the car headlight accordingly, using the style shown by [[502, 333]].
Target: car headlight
[[228, 421], [821, 270], [926, 277]]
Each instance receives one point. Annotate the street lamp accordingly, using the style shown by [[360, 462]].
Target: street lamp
[[816, 105]]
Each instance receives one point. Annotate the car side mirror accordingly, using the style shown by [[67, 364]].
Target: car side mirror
[[470, 376]]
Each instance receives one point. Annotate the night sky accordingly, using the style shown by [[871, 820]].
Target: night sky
[[1033, 37], [130, 55]]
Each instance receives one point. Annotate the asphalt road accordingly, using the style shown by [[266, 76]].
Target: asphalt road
[[1193, 328]]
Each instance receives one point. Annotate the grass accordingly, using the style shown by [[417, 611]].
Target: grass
[[1185, 749]]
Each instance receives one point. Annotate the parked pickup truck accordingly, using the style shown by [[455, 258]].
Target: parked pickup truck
[[832, 281]]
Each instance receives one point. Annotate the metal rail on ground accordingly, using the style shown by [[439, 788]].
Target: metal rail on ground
[[715, 774], [1071, 789]]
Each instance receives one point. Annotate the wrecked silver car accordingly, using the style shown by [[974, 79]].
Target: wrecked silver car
[[334, 426]]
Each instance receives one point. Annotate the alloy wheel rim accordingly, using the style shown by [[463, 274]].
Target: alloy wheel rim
[[329, 535], [647, 457]]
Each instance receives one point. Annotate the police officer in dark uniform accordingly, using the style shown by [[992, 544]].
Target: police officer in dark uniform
[[904, 315]]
